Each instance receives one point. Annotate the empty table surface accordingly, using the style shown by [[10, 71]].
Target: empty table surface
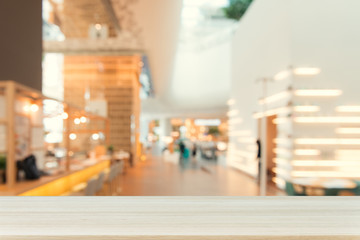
[[179, 218]]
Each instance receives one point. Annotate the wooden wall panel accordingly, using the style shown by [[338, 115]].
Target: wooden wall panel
[[76, 17], [114, 78]]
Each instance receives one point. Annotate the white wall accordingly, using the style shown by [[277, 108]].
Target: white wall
[[202, 78], [280, 33], [159, 22], [325, 33], [261, 48]]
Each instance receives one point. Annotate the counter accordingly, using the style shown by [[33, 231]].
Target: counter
[[55, 185]]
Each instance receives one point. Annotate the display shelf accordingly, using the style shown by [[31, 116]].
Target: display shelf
[[57, 184], [23, 132], [116, 86]]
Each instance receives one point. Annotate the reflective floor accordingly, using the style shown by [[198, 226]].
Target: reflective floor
[[157, 177]]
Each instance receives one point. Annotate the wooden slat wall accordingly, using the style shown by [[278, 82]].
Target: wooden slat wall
[[76, 17], [116, 78]]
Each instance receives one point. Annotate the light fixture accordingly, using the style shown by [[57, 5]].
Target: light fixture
[[306, 108], [327, 119], [282, 141], [348, 109], [280, 171], [317, 92], [34, 107], [323, 163], [307, 71], [347, 130], [281, 151], [307, 152], [95, 136], [221, 146], [282, 75], [325, 174], [279, 181], [72, 136], [83, 119], [327, 141], [77, 121], [281, 120], [281, 161], [348, 152], [275, 97], [98, 26], [65, 115], [270, 112]]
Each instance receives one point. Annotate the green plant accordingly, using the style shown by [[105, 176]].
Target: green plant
[[214, 131], [2, 162], [236, 8], [110, 148]]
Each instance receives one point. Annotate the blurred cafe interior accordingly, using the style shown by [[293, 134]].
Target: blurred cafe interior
[[180, 97]]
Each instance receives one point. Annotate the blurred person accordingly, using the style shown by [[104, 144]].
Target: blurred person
[[182, 149], [194, 150], [258, 157]]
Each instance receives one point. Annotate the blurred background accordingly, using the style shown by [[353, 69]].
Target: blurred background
[[181, 97]]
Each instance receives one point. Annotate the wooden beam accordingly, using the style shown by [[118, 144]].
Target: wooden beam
[[10, 113], [57, 18], [67, 138], [112, 15]]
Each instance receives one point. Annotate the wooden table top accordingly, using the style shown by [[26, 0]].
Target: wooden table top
[[180, 218]]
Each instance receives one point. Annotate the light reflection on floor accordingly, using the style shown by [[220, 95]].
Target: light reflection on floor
[[192, 176]]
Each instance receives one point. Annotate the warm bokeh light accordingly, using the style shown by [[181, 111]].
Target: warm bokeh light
[[282, 75], [72, 136], [77, 121], [95, 136], [34, 107], [347, 130], [307, 71], [318, 92], [348, 109], [275, 97], [307, 152], [83, 119], [306, 108]]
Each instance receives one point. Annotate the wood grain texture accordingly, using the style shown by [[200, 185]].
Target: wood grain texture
[[111, 78], [195, 218]]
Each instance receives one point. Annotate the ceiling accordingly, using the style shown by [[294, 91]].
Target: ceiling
[[189, 63]]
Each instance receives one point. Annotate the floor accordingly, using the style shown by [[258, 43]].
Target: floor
[[156, 177]]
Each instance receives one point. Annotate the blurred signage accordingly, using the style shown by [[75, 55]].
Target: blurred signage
[[207, 122]]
